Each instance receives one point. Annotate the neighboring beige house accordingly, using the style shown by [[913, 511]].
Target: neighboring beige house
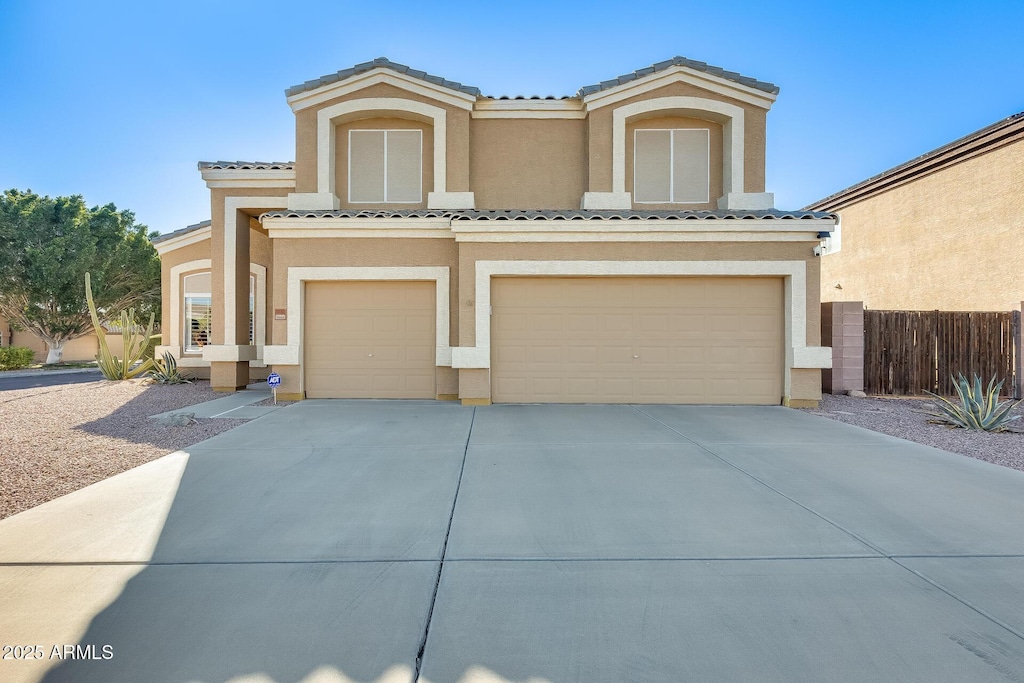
[[75, 351], [944, 231], [617, 245]]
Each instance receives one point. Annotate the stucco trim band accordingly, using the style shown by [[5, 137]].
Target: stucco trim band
[[798, 354], [291, 353]]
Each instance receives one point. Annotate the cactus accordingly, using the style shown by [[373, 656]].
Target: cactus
[[134, 362], [978, 409]]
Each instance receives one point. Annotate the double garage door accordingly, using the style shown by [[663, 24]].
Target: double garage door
[[559, 340], [637, 340]]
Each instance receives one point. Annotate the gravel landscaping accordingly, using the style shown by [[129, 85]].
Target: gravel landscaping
[[902, 417], [59, 439]]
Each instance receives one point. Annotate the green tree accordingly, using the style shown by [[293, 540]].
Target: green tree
[[46, 247]]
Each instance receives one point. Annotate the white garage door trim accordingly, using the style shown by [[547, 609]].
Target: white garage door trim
[[291, 353], [798, 354]]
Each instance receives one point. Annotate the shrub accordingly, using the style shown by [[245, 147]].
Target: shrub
[[978, 409], [14, 357], [166, 371]]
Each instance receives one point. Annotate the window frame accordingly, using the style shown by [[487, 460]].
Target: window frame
[[186, 324], [672, 165], [418, 131], [186, 345]]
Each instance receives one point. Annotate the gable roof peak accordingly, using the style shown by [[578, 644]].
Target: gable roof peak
[[694, 64], [380, 63]]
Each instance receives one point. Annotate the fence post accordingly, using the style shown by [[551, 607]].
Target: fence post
[[1018, 375], [842, 326]]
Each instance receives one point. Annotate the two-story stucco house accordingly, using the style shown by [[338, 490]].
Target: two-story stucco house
[[430, 242]]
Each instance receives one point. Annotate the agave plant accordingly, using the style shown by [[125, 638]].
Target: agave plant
[[166, 371], [978, 408], [134, 362]]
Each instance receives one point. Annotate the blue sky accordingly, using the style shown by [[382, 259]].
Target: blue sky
[[117, 101]]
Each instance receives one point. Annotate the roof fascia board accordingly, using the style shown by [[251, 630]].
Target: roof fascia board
[[675, 74], [185, 240], [529, 109], [331, 91], [248, 178]]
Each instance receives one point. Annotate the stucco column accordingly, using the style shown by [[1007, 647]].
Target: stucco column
[[229, 358]]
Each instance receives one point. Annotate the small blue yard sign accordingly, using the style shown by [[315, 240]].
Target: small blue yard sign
[[274, 380]]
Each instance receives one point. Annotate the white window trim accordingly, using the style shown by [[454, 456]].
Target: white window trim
[[672, 166], [186, 343], [729, 115], [385, 131], [326, 125]]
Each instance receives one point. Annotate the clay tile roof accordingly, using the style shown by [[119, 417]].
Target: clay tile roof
[[178, 233], [680, 61], [557, 215], [380, 62], [247, 165]]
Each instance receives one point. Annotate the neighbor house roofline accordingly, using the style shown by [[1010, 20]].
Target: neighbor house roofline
[[1010, 129]]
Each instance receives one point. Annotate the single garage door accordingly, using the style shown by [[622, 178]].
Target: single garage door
[[369, 339], [637, 340]]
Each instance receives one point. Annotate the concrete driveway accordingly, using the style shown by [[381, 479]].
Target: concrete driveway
[[380, 541]]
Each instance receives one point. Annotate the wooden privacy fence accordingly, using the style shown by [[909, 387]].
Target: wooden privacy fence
[[908, 352]]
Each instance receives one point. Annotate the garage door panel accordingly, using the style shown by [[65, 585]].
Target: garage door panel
[[695, 339], [369, 339]]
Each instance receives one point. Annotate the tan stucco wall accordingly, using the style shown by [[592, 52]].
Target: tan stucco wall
[[456, 148], [331, 252], [170, 259], [470, 253], [715, 154], [600, 136], [528, 163], [951, 241]]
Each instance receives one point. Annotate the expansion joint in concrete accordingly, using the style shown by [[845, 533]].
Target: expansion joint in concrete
[[444, 551]]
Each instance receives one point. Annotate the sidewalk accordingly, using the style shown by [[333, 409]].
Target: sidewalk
[[234, 406]]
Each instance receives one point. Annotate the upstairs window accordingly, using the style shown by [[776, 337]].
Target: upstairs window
[[385, 166], [672, 166]]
